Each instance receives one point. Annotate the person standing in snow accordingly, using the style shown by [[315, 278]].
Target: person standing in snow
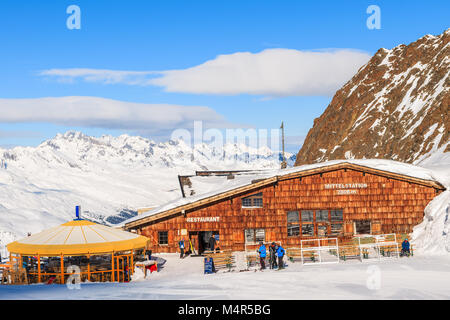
[[181, 245], [405, 248], [272, 255], [280, 255], [262, 255], [212, 243]]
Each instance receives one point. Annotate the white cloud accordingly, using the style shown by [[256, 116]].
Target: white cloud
[[272, 72], [107, 113], [100, 75]]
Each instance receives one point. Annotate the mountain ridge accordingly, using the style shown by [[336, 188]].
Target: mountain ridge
[[396, 107], [110, 177]]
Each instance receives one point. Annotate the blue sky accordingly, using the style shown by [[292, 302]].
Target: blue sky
[[160, 36]]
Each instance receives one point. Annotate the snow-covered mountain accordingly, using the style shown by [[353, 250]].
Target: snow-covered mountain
[[110, 177], [396, 107]]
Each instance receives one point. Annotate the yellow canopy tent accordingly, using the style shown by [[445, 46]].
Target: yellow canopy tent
[[78, 238]]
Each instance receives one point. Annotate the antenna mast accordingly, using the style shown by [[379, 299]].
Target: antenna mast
[[283, 163]]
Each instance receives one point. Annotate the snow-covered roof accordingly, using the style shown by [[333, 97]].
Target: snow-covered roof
[[210, 186]]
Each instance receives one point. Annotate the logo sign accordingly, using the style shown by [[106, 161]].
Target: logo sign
[[203, 219], [345, 188]]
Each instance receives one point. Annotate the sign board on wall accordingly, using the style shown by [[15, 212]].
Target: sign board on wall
[[203, 219], [345, 188]]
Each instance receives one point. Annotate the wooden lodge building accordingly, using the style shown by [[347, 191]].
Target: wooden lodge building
[[332, 199]]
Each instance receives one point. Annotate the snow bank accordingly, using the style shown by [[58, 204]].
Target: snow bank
[[432, 237]]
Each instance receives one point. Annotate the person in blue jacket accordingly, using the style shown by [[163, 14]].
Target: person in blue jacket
[[405, 248], [181, 246], [262, 255], [280, 254]]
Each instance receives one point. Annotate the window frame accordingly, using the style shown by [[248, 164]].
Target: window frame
[[362, 220], [293, 225], [256, 201], [254, 232], [321, 224], [159, 237]]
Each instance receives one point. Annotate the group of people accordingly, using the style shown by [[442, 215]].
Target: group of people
[[211, 245], [276, 252]]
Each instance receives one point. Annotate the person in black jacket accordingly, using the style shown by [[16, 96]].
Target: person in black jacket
[[212, 243], [272, 255]]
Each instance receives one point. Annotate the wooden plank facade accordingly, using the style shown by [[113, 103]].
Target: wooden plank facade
[[332, 201]]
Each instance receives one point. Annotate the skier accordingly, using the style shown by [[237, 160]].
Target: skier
[[262, 255], [280, 254], [405, 248], [181, 245], [272, 255]]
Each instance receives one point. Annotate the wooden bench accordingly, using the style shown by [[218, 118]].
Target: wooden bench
[[222, 260], [349, 252], [294, 254]]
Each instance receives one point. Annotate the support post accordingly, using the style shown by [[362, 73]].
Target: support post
[[112, 267], [62, 269], [39, 268], [132, 262], [89, 267]]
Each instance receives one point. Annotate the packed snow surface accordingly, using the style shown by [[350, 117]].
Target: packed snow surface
[[417, 277]]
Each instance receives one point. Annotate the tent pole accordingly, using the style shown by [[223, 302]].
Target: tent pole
[[132, 262], [62, 269], [39, 268], [89, 267], [112, 271]]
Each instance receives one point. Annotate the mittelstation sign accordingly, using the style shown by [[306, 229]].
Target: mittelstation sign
[[345, 188]]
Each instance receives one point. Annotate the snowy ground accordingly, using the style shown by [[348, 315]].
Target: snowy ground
[[418, 277]]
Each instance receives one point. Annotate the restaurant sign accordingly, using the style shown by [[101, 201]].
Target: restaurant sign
[[202, 219]]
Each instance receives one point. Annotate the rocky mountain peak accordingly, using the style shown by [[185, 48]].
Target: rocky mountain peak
[[395, 107]]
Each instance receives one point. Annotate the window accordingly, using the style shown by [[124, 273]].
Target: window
[[293, 223], [336, 229], [255, 235], [321, 215], [163, 237], [337, 215], [308, 229], [307, 215], [322, 230], [254, 201], [362, 227]]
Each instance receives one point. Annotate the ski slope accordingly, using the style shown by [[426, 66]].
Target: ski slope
[[418, 277]]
